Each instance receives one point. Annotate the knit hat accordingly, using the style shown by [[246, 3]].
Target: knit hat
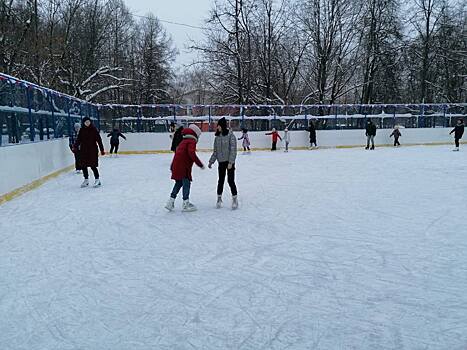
[[77, 126], [223, 124], [195, 128]]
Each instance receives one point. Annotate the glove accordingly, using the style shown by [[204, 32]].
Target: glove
[[229, 166], [210, 165], [203, 167], [103, 153]]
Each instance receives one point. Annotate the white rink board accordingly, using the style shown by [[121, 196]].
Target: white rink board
[[325, 138]]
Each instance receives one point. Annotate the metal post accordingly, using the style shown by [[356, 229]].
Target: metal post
[[32, 129], [209, 118], [54, 119], [335, 117], [96, 109]]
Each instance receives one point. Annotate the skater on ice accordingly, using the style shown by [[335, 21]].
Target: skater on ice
[[275, 137], [88, 143], [72, 141], [396, 133], [246, 140], [286, 139], [225, 153], [115, 135], [370, 134], [177, 137], [182, 165], [312, 131], [458, 132]]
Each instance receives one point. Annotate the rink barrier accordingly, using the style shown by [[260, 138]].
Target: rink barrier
[[33, 185]]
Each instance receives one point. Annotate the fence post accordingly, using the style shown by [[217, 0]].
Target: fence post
[[32, 128], [209, 118], [243, 117], [335, 117], [98, 112], [138, 120], [54, 118]]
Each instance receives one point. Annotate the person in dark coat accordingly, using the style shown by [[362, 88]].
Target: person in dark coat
[[312, 131], [182, 164], [396, 133], [115, 140], [370, 134], [177, 138], [72, 139], [89, 142], [458, 132]]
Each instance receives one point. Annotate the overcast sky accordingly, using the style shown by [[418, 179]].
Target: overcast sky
[[192, 12]]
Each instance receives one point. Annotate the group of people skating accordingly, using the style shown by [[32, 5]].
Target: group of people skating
[[86, 143], [224, 153]]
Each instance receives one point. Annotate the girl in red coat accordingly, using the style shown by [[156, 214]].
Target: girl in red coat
[[185, 156], [275, 136], [86, 144]]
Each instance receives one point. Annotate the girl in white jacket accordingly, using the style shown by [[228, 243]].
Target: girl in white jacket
[[286, 139]]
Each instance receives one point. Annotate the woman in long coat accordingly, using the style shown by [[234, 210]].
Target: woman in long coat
[[88, 143]]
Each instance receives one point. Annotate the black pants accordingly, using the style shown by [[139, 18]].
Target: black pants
[[77, 165], [274, 146], [246, 148], [396, 141], [114, 147], [457, 142], [230, 178], [86, 172]]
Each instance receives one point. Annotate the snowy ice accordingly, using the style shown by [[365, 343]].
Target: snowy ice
[[330, 249]]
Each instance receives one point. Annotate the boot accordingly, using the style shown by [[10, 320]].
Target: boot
[[85, 183], [367, 147], [234, 202], [97, 183], [219, 202], [170, 204], [187, 206]]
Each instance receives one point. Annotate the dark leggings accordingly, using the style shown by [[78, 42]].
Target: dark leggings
[[94, 170], [245, 148], [77, 161], [457, 142], [114, 147], [274, 146], [396, 141], [230, 178]]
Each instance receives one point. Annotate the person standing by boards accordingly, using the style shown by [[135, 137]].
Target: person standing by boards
[[89, 142], [458, 133], [275, 137], [72, 140], [115, 135], [396, 133], [312, 131]]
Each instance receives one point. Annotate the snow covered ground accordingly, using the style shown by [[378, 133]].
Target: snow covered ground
[[330, 249]]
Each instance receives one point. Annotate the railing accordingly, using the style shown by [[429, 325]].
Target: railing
[[30, 113]]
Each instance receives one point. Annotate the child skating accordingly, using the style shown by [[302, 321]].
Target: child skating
[[312, 131], [286, 139], [458, 133], [275, 136], [246, 141], [72, 141], [396, 133], [88, 143], [225, 154], [182, 164], [115, 135]]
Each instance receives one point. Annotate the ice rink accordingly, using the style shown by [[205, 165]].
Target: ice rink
[[330, 249]]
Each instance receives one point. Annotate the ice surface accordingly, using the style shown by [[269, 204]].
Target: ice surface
[[330, 249]]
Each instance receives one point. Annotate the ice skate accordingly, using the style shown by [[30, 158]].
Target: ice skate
[[97, 183], [456, 149], [187, 206], [85, 183], [78, 171], [234, 203], [170, 204], [219, 202]]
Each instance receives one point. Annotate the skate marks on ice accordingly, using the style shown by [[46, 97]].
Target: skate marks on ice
[[329, 250]]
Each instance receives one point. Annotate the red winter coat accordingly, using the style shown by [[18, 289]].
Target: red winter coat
[[275, 136], [87, 141], [185, 156]]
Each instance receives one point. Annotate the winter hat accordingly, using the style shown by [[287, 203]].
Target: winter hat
[[77, 126], [196, 129], [222, 123], [286, 130], [85, 119]]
